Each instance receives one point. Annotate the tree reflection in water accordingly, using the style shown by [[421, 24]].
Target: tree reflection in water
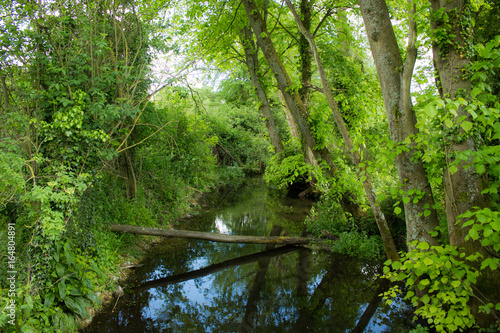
[[234, 290]]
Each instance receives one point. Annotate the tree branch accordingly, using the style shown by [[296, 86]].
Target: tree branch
[[328, 13], [411, 57]]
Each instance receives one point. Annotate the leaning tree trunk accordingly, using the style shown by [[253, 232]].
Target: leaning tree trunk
[[395, 79], [252, 61], [308, 154], [291, 98], [389, 246], [462, 188]]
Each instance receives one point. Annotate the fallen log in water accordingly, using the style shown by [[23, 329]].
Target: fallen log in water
[[209, 236]]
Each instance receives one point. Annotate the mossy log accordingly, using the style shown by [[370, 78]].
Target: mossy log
[[210, 236]]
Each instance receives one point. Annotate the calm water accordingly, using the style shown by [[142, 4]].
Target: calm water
[[201, 286]]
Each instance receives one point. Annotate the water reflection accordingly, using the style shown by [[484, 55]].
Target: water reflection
[[200, 286]]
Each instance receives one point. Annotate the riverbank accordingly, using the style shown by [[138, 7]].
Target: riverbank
[[127, 260], [194, 285]]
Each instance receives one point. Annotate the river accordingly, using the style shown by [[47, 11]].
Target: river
[[201, 286]]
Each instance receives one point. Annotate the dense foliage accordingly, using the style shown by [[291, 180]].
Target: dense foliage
[[92, 134]]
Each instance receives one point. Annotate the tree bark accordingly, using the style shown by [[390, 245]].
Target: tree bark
[[209, 236], [289, 119], [389, 246], [308, 154], [5, 91], [395, 79], [305, 54], [292, 98], [127, 167], [462, 188], [252, 61]]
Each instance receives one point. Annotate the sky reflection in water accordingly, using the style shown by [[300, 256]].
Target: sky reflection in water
[[296, 291]]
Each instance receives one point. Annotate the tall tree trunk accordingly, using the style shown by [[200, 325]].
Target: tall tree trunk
[[291, 98], [395, 80], [463, 187], [390, 247], [308, 154], [252, 61], [305, 67], [305, 54], [294, 132]]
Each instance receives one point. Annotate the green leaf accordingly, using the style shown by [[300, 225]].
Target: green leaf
[[430, 110], [27, 329], [448, 123], [475, 91], [75, 307], [397, 210], [49, 299], [62, 289], [424, 282], [496, 225], [466, 126], [94, 298], [428, 261], [60, 270], [76, 292], [452, 169], [473, 234], [423, 246], [396, 265], [456, 283], [68, 254]]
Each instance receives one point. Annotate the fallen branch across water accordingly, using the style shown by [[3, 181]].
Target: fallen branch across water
[[210, 236]]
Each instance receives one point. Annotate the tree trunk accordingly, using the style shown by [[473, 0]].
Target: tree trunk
[[209, 236], [308, 154], [127, 167], [5, 91], [395, 80], [390, 247], [291, 124], [292, 98], [252, 61], [463, 187], [305, 54]]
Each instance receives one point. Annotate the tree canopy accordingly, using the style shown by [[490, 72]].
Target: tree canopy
[[127, 111]]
